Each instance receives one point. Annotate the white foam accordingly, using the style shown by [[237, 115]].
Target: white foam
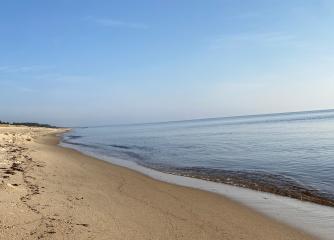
[[312, 218]]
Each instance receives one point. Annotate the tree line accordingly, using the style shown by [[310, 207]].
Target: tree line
[[28, 124]]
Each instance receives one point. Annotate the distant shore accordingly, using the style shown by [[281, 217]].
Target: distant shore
[[56, 193]]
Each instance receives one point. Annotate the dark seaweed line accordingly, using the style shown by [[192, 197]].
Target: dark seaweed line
[[275, 184]]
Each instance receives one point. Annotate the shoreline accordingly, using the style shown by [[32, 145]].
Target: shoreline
[[265, 181], [315, 219], [58, 193]]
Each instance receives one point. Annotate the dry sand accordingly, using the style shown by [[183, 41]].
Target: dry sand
[[49, 192]]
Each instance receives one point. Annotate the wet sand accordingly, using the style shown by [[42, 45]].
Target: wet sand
[[52, 192], [259, 181]]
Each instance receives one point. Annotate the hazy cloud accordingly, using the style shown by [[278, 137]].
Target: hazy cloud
[[246, 16], [108, 22], [261, 38], [23, 69]]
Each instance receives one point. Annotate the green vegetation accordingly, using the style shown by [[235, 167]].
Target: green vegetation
[[1, 122], [29, 124]]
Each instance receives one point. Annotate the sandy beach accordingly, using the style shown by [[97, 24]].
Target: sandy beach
[[50, 192]]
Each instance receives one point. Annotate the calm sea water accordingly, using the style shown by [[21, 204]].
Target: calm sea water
[[296, 148]]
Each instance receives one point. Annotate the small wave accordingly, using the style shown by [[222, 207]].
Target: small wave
[[134, 156], [119, 146], [79, 144], [73, 137], [129, 147]]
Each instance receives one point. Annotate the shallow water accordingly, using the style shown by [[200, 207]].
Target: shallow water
[[291, 154]]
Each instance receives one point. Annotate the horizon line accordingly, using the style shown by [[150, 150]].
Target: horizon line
[[202, 119]]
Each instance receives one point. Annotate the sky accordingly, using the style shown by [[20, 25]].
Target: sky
[[80, 62]]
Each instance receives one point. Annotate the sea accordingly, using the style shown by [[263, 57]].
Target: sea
[[288, 154]]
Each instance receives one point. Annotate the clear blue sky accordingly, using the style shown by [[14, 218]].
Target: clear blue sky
[[96, 62]]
